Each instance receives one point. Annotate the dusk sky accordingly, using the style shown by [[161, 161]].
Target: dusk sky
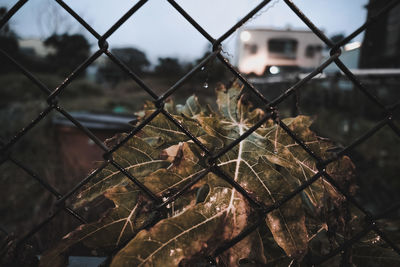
[[159, 30]]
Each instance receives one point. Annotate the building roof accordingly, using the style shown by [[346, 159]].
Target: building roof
[[267, 29], [98, 121]]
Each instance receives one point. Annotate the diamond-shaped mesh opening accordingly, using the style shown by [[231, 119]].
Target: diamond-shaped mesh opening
[[47, 236], [330, 101], [47, 39], [217, 22], [376, 172], [350, 16], [27, 203], [157, 39], [204, 82], [100, 14]]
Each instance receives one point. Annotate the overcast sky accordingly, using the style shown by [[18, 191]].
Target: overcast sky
[[159, 30]]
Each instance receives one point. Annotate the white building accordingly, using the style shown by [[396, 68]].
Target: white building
[[263, 51], [35, 47]]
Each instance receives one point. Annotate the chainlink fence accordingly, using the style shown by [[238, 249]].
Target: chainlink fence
[[270, 106]]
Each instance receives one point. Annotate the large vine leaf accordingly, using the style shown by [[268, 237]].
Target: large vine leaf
[[141, 155], [269, 164], [114, 228], [195, 232], [132, 209], [137, 157], [249, 165], [162, 133], [248, 168]]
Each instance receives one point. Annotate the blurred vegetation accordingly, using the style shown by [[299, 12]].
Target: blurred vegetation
[[70, 51], [169, 67], [22, 207], [133, 58]]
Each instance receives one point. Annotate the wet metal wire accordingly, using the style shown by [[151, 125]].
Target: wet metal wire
[[270, 106]]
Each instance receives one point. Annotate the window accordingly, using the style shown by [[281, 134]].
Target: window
[[252, 48], [284, 48], [311, 50]]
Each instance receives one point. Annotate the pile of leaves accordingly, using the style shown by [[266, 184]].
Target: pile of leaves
[[268, 164]]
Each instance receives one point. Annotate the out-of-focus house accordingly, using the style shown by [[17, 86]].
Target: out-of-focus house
[[271, 51], [77, 151], [35, 47]]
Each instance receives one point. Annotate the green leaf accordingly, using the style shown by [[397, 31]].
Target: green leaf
[[136, 156], [167, 133], [114, 228], [247, 167], [132, 209], [196, 231], [191, 108], [268, 164]]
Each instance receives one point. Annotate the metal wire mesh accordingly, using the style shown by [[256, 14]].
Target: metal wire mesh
[[270, 106]]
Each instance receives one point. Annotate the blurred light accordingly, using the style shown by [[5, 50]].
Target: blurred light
[[245, 36], [274, 70], [352, 46]]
